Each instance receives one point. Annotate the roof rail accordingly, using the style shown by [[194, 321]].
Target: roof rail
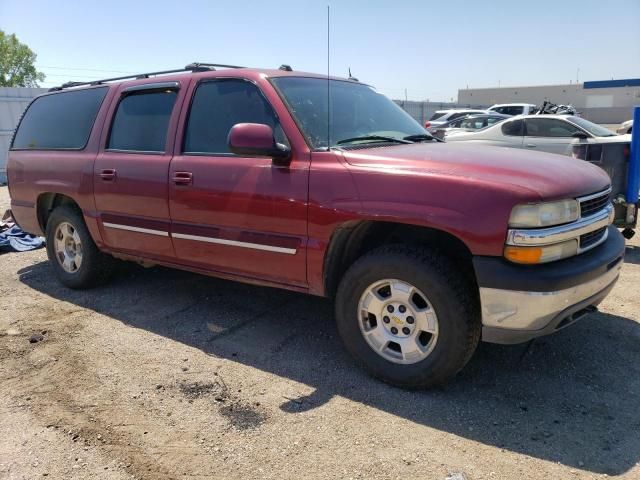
[[192, 67]]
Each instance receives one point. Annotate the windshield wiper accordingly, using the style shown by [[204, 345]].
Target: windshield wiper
[[422, 136], [372, 137]]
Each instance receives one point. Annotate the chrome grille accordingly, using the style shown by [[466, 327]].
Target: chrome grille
[[591, 238], [593, 203]]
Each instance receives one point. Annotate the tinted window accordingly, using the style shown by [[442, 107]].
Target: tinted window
[[509, 110], [219, 105], [458, 115], [492, 120], [141, 121], [549, 127], [437, 115], [513, 128], [474, 123], [60, 121]]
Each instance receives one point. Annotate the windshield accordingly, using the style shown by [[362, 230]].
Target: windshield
[[359, 113], [591, 127]]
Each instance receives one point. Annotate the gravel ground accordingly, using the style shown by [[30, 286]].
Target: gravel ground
[[165, 374]]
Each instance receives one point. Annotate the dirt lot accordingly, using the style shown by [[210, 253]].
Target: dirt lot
[[165, 374]]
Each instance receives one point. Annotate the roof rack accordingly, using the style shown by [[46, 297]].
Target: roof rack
[[192, 67]]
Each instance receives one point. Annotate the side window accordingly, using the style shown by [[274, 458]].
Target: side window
[[60, 120], [513, 110], [220, 104], [513, 128], [548, 127], [473, 123], [141, 121], [458, 115]]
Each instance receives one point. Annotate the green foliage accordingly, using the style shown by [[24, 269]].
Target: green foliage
[[17, 63]]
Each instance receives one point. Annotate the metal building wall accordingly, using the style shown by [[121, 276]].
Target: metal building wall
[[600, 105], [13, 101]]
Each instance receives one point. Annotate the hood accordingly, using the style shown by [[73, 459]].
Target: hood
[[547, 175]]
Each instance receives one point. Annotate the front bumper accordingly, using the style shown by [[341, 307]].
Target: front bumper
[[523, 302]]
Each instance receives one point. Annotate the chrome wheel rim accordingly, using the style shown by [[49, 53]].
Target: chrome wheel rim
[[398, 321], [68, 247]]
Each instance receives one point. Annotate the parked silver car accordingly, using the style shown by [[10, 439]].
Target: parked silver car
[[469, 124], [440, 117], [546, 133], [625, 127]]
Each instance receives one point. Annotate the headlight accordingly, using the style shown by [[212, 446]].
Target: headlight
[[544, 254], [544, 214]]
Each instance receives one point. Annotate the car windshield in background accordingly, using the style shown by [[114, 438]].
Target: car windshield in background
[[359, 114], [591, 127]]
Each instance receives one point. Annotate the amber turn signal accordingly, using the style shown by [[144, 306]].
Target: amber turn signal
[[528, 255]]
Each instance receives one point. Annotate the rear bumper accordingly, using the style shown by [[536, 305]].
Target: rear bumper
[[25, 215], [523, 302]]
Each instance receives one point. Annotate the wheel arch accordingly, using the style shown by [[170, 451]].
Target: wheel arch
[[47, 202], [351, 240]]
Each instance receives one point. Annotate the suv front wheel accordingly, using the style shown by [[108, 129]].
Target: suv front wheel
[[408, 316], [74, 256]]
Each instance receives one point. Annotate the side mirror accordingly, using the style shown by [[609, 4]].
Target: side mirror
[[257, 140], [580, 135]]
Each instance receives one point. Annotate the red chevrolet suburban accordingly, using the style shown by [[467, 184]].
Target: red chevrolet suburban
[[319, 185]]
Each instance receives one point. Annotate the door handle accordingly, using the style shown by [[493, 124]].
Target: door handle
[[182, 178], [108, 174], [531, 145]]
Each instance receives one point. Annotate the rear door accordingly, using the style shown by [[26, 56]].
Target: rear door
[[132, 168], [550, 135], [245, 216]]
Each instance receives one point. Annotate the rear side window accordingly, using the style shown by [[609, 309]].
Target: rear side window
[[437, 115], [219, 105], [61, 121], [141, 121], [458, 115], [513, 129]]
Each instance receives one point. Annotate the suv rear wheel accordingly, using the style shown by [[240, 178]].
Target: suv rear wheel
[[408, 316], [75, 259]]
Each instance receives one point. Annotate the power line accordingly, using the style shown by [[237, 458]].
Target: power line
[[71, 76], [84, 69]]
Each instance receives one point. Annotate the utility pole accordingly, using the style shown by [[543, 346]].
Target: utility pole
[[405, 95]]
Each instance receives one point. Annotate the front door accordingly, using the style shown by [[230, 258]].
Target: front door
[[234, 214], [550, 135], [131, 171]]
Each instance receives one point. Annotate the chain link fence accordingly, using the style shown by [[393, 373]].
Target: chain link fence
[[422, 111]]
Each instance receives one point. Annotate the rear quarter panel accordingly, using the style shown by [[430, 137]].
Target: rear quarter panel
[[32, 173]]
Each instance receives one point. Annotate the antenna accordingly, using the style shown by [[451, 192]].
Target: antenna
[[328, 84]]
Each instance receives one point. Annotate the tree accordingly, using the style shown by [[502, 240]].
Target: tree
[[17, 61]]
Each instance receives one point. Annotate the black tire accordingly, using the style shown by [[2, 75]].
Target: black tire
[[96, 267], [451, 295]]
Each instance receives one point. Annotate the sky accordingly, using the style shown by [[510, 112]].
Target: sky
[[422, 49]]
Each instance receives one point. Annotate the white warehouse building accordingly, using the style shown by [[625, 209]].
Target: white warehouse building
[[607, 101]]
